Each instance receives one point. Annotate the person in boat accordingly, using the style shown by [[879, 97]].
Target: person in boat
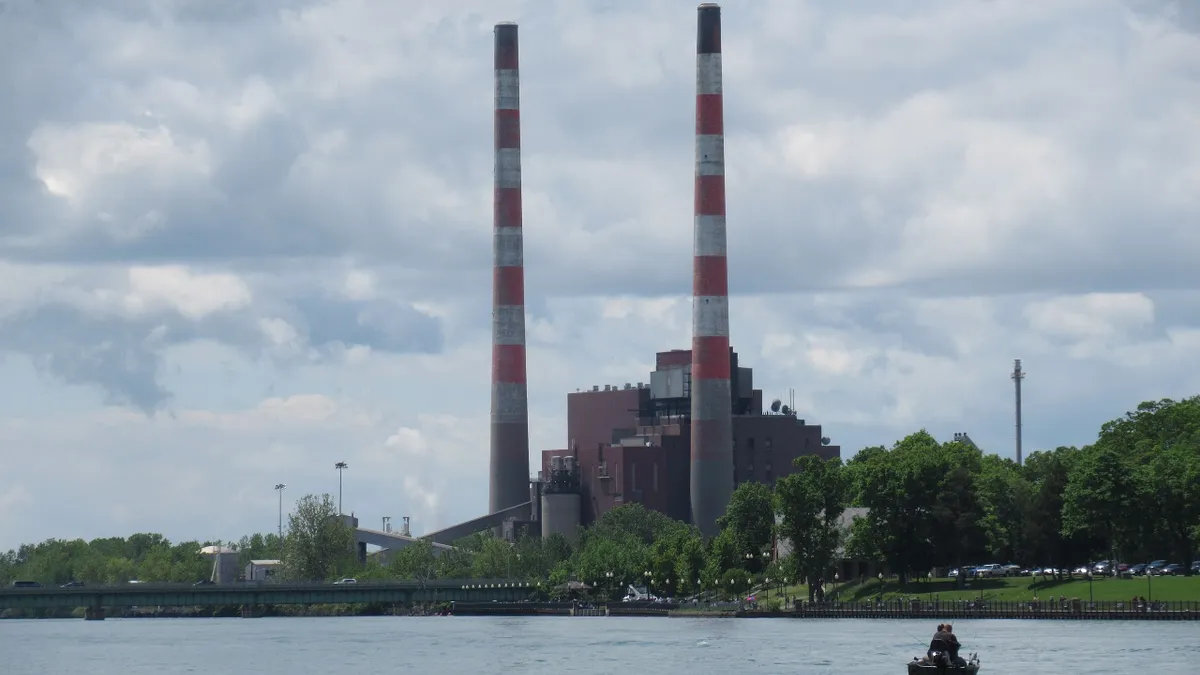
[[940, 644], [954, 647]]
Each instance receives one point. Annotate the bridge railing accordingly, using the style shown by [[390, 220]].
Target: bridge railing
[[460, 584]]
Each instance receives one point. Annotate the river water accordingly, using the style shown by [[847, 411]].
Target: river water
[[588, 646]]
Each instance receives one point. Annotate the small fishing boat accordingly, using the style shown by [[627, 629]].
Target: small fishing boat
[[940, 665]]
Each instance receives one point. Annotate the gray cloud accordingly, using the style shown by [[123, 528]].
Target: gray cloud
[[916, 195], [122, 354]]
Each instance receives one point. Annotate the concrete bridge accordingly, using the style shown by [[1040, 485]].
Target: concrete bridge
[[251, 596]]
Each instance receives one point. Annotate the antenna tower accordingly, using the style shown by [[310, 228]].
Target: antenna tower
[[1017, 376]]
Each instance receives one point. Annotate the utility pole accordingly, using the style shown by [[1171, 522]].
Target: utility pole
[[1017, 376], [340, 466], [279, 488]]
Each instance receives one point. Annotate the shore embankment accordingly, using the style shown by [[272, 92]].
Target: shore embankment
[[1067, 609]]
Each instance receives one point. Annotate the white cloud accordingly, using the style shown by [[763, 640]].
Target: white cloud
[[71, 160], [1095, 316], [192, 295]]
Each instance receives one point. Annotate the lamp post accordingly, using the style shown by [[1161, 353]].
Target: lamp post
[[340, 466], [836, 578], [1091, 595], [880, 575], [279, 488], [609, 576]]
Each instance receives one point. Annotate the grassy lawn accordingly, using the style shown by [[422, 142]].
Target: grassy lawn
[[1025, 588]]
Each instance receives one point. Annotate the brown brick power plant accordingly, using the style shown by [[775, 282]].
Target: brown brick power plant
[[679, 443]]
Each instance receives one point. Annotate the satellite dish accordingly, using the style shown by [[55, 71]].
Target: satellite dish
[[775, 405], [787, 410], [825, 440]]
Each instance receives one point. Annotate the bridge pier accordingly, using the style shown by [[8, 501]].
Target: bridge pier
[[95, 613], [252, 611]]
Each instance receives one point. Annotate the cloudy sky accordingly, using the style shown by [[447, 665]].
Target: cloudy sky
[[242, 241]]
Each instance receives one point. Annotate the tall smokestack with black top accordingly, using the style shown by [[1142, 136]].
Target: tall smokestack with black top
[[711, 418], [509, 484]]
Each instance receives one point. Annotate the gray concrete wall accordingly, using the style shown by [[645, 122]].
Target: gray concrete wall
[[560, 515]]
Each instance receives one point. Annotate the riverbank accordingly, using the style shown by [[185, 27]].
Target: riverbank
[[1067, 609], [1059, 608], [228, 611], [1013, 589]]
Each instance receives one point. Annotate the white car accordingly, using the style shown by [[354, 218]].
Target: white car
[[346, 581], [990, 570]]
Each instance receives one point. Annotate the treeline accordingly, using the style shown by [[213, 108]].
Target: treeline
[[110, 560], [1132, 495]]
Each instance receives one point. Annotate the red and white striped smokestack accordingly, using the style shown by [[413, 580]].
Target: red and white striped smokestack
[[509, 484], [712, 401]]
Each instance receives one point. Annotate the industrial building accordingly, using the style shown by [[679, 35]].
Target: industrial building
[[631, 443], [261, 570], [679, 444]]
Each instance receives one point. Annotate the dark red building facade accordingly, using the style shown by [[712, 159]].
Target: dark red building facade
[[631, 441]]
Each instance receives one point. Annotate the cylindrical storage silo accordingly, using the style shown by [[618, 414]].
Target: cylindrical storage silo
[[561, 514]]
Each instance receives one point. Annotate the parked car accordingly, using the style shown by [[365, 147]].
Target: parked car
[[26, 584], [1136, 570], [72, 584], [1011, 570], [204, 582], [1171, 570], [989, 570], [1153, 567], [346, 581]]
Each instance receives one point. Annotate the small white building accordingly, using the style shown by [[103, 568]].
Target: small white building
[[261, 570]]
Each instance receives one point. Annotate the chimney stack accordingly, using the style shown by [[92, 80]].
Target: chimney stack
[[712, 420], [509, 484]]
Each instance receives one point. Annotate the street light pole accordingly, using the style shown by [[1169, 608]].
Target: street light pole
[[340, 466], [279, 488]]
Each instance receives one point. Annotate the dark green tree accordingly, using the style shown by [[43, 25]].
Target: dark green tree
[[319, 545], [750, 517], [810, 504]]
